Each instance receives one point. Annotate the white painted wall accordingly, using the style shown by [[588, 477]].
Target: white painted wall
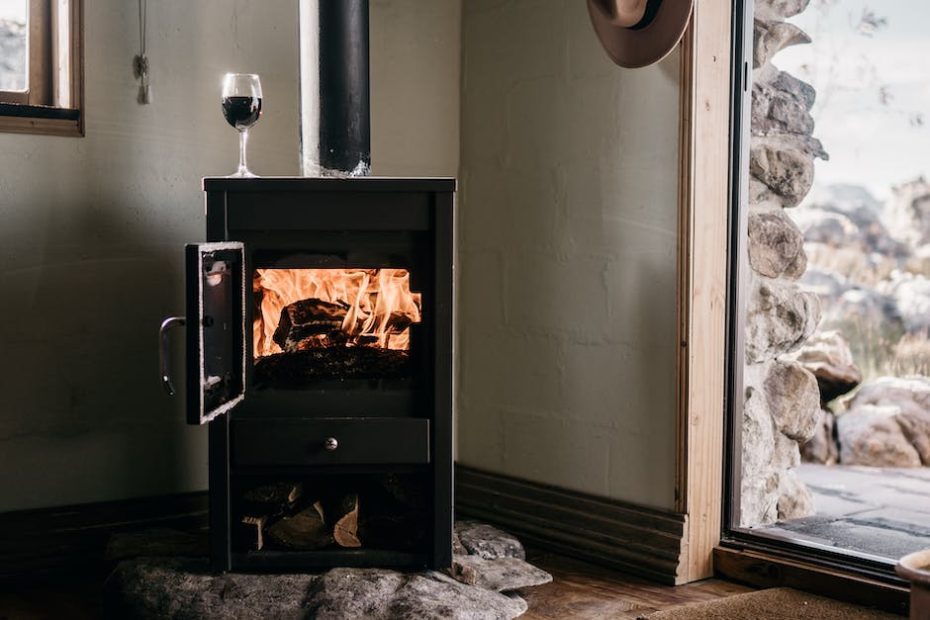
[[92, 229], [567, 248]]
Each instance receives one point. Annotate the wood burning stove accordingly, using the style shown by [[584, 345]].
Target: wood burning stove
[[319, 323]]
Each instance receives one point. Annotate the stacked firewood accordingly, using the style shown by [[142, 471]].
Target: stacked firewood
[[283, 515]]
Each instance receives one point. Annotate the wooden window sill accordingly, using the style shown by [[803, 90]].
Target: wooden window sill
[[41, 120], [769, 569]]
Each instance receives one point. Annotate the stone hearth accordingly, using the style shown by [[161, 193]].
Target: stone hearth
[[488, 571]]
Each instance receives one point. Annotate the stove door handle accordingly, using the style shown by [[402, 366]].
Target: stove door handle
[[166, 325]]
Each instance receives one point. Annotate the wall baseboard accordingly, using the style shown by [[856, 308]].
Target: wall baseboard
[[46, 543], [634, 539]]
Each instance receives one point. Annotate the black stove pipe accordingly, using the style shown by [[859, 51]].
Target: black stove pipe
[[335, 114]]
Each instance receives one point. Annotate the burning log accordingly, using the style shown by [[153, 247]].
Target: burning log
[[296, 370], [342, 513], [305, 530], [310, 324]]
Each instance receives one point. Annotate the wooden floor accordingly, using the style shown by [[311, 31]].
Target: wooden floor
[[583, 591], [579, 590]]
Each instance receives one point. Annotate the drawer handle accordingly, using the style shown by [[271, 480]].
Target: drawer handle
[[330, 443]]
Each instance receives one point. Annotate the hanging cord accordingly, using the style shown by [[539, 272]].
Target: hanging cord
[[140, 63]]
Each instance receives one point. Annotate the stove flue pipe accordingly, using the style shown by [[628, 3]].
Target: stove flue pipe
[[335, 126]]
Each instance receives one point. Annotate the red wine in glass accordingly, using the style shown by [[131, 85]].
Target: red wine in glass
[[242, 112], [242, 107]]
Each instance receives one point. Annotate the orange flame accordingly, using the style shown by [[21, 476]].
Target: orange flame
[[379, 304]]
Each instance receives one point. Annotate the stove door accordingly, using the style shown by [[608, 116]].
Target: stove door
[[215, 329]]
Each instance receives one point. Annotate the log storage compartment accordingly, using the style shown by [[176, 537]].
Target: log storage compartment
[[320, 355]]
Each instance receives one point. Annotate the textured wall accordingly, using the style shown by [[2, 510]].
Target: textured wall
[[782, 405], [92, 228], [567, 248]]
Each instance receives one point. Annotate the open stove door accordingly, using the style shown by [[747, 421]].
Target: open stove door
[[216, 353]]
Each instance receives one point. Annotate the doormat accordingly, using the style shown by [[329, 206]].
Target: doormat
[[772, 604]]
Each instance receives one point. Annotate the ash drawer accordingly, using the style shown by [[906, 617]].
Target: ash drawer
[[330, 441]]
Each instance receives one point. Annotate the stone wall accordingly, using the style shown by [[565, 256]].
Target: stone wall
[[782, 406]]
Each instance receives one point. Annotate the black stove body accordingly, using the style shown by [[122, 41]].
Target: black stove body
[[319, 326]]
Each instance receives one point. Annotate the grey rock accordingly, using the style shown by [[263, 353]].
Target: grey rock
[[828, 357], [759, 480], [909, 397], [798, 89], [776, 245], [502, 574], [794, 399], [795, 500], [822, 447], [779, 9], [153, 589], [378, 594], [779, 319], [871, 435], [772, 36], [911, 295], [826, 284], [775, 111], [786, 170], [184, 590], [863, 310], [181, 589], [487, 541], [907, 214]]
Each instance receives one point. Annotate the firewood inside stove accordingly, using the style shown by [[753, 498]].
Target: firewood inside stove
[[256, 525], [305, 530], [341, 512], [310, 324]]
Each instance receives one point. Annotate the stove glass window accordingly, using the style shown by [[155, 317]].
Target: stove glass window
[[331, 324]]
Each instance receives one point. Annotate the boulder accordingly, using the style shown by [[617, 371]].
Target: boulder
[[150, 588], [779, 9], [488, 542], [772, 36], [786, 170], [794, 499], [776, 245], [827, 356], [780, 317], [778, 107], [866, 311], [379, 594], [911, 294], [909, 398], [822, 447], [759, 480], [832, 229], [793, 399], [907, 214], [502, 574], [826, 284], [871, 435]]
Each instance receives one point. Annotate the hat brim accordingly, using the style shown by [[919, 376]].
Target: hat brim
[[634, 48]]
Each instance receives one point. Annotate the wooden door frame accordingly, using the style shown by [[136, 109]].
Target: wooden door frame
[[714, 110]]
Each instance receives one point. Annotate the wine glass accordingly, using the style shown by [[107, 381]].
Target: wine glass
[[242, 107]]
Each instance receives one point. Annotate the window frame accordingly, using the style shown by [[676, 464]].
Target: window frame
[[53, 101]]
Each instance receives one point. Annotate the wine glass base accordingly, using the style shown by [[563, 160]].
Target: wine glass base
[[242, 174]]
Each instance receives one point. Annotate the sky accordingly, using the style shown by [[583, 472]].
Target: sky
[[873, 89], [13, 9]]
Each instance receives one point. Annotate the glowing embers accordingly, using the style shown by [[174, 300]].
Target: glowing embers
[[331, 323]]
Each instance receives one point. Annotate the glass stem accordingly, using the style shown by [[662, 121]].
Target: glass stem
[[243, 142]]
